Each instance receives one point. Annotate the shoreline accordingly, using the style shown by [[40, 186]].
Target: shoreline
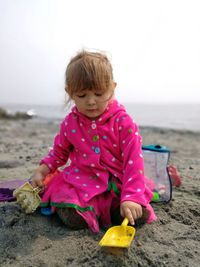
[[36, 240], [172, 116], [141, 127]]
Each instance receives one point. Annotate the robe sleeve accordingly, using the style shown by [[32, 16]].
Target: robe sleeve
[[133, 185], [59, 154]]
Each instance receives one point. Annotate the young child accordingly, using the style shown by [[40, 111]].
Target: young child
[[105, 177]]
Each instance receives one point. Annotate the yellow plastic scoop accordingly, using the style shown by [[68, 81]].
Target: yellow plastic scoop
[[118, 236]]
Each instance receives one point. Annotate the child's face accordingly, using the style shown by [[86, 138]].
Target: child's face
[[91, 102]]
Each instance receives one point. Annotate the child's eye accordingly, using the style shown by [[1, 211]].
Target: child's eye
[[81, 96], [98, 94]]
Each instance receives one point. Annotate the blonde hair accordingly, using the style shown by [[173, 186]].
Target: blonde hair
[[88, 70]]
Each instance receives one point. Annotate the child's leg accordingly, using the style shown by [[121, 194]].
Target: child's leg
[[71, 218]]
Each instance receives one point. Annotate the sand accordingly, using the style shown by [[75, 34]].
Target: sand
[[36, 240]]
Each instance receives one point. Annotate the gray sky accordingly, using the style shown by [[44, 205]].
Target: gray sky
[[154, 47]]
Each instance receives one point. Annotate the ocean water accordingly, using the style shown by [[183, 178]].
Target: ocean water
[[174, 116]]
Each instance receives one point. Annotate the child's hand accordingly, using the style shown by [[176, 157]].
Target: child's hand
[[37, 179], [131, 210], [39, 175]]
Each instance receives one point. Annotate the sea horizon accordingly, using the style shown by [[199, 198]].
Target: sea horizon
[[176, 116]]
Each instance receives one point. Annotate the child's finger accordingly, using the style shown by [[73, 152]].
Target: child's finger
[[33, 183], [138, 213], [130, 215], [37, 183]]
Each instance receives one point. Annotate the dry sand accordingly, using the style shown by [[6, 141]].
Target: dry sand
[[36, 240]]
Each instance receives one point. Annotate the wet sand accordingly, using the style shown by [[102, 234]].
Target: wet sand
[[36, 240]]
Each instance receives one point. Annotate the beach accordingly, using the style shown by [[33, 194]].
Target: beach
[[37, 240]]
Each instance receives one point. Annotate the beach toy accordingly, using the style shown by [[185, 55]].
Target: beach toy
[[156, 197], [46, 211], [28, 197], [156, 158], [118, 236], [6, 194], [174, 175]]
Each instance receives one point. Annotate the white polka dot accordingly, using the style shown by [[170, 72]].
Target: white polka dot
[[60, 145], [57, 161], [93, 126], [141, 156], [77, 177], [82, 139], [100, 119], [122, 154], [50, 166], [86, 195], [127, 195], [65, 134], [66, 123], [112, 129], [141, 171], [97, 174], [84, 155], [114, 145], [84, 184], [120, 128], [123, 142], [81, 124], [136, 133], [130, 179], [97, 186], [139, 190], [113, 159], [92, 165], [130, 162]]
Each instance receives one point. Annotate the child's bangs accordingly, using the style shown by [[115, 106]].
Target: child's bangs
[[91, 79]]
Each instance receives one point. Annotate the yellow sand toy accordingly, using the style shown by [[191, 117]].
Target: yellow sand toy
[[118, 236], [28, 197]]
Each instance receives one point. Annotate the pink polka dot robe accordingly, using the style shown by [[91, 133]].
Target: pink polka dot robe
[[106, 166]]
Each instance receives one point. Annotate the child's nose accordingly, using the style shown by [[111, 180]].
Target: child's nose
[[91, 100]]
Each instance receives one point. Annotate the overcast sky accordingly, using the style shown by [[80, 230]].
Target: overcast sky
[[154, 47]]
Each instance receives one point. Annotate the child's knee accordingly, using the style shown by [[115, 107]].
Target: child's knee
[[71, 218], [142, 220]]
